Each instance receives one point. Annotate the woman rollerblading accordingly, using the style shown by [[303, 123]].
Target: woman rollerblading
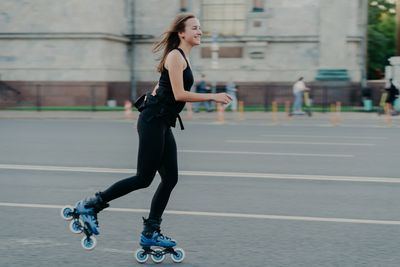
[[159, 111]]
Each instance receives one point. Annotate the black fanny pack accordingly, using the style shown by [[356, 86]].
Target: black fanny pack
[[140, 102], [147, 100]]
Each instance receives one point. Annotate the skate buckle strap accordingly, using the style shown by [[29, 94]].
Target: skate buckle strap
[[161, 236]]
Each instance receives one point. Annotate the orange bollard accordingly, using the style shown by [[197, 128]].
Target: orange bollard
[[189, 110], [332, 111], [220, 113], [241, 111], [338, 111], [128, 109], [287, 109], [275, 111], [388, 115]]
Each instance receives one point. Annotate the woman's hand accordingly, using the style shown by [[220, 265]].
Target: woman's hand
[[222, 98], [155, 90]]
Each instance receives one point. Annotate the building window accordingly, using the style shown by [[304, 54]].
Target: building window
[[224, 17], [257, 24], [184, 6], [224, 52], [258, 6]]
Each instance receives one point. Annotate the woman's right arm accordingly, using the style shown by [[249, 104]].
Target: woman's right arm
[[199, 97], [175, 65]]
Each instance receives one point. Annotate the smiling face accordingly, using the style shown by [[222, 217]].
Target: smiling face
[[192, 33]]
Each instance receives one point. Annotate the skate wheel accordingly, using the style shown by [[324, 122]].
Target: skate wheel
[[66, 213], [76, 226], [179, 255], [141, 256], [158, 257], [89, 243]]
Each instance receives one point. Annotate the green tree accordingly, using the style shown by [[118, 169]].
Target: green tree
[[381, 36]]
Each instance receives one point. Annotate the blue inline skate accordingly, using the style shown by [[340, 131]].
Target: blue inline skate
[[84, 219], [152, 237]]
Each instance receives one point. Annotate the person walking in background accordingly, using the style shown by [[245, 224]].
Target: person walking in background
[[298, 89], [231, 90], [392, 95], [157, 148], [202, 88]]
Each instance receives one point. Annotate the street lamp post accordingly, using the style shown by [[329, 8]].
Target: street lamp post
[[397, 27], [214, 56]]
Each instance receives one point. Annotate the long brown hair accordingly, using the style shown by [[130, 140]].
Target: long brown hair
[[170, 40]]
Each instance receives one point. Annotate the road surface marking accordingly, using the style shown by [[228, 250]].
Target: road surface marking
[[221, 214], [297, 143], [314, 177], [266, 153], [327, 136]]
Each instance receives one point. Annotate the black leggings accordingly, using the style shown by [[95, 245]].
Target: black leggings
[[157, 152]]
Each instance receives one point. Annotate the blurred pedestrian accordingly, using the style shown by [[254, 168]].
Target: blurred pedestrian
[[202, 88], [392, 95], [157, 147], [231, 90], [298, 89]]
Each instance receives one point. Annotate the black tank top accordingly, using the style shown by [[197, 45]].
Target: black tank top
[[165, 87], [164, 102]]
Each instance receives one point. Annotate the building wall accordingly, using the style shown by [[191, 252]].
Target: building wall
[[71, 40], [293, 38], [77, 42]]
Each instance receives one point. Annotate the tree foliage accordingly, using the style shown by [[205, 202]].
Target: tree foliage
[[381, 36]]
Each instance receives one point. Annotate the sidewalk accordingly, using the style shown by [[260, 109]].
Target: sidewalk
[[202, 116]]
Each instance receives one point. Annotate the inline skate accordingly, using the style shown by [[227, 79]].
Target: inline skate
[[83, 219]]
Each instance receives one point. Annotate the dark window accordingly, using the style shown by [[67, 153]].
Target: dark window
[[258, 5], [184, 6]]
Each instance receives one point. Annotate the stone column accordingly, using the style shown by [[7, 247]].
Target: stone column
[[394, 70], [332, 34]]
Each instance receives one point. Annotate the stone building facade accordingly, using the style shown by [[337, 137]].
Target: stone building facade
[[80, 52]]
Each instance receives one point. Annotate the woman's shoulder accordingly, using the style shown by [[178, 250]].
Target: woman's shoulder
[[175, 57], [175, 54]]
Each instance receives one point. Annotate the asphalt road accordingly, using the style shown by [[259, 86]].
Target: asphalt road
[[250, 193]]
